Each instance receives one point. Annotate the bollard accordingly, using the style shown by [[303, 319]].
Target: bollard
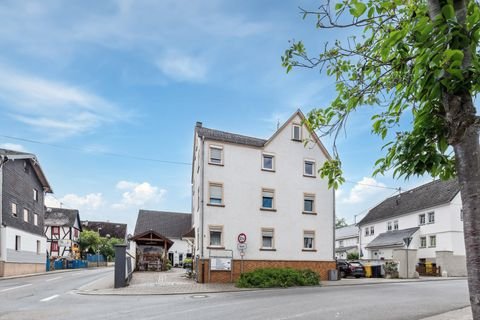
[[120, 265]]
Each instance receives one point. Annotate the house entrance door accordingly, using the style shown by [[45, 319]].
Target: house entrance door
[[170, 257]]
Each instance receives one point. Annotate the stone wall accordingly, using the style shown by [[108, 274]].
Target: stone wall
[[454, 266], [8, 269], [320, 267]]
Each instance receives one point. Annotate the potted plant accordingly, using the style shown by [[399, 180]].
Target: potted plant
[[391, 269]]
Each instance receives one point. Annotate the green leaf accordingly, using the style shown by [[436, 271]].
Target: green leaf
[[448, 12], [338, 6], [357, 8]]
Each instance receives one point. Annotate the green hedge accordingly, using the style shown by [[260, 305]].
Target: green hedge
[[278, 277]]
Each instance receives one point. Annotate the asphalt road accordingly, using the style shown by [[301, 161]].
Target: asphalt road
[[53, 297]]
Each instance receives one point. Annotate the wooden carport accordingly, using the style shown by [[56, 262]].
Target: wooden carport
[[152, 249]]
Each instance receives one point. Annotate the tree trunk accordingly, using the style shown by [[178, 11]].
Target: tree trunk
[[467, 157]]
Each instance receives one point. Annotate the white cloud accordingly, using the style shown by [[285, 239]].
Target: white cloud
[[13, 146], [362, 191], [91, 201], [138, 194], [180, 67], [57, 108]]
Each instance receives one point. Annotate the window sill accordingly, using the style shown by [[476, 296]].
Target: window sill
[[216, 247], [215, 205], [309, 250], [422, 247], [268, 170], [268, 209], [309, 176], [311, 213], [432, 247], [216, 164], [268, 249], [297, 140]]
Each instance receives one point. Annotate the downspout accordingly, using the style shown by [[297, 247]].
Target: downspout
[[202, 199], [2, 240]]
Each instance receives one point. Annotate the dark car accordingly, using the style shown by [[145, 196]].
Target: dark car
[[353, 268]]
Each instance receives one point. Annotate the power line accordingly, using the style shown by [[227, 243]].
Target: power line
[[110, 154]]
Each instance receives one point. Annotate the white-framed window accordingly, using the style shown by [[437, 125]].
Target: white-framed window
[[389, 226], [14, 209], [216, 193], [215, 236], [267, 238], [431, 217], [268, 198], [308, 202], [25, 214], [340, 243], [367, 231], [216, 155], [309, 168], [39, 246], [268, 162], [395, 225], [372, 230], [296, 132], [18, 243], [308, 240], [433, 241], [423, 242], [421, 219], [35, 219], [35, 194]]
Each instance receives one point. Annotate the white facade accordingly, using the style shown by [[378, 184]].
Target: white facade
[[447, 230], [243, 181], [18, 246], [179, 251]]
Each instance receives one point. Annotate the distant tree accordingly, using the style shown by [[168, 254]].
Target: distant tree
[[107, 247], [340, 222], [352, 256], [417, 63], [89, 241]]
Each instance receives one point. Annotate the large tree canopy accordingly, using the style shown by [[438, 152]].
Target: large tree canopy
[[410, 59]]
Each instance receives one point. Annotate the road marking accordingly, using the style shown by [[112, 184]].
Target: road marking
[[17, 287], [53, 279], [50, 298]]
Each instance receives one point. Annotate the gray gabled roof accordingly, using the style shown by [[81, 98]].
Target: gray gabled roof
[[392, 238], [426, 196], [345, 249], [223, 136], [104, 228], [61, 217], [7, 155], [346, 232], [168, 224]]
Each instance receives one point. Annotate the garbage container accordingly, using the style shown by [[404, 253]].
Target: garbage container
[[333, 275], [368, 270], [376, 271]]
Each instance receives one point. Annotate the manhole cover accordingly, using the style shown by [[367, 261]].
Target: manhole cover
[[199, 296]]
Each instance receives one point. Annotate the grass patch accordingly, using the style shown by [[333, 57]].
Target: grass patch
[[278, 278]]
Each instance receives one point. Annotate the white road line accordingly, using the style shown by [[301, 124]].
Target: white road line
[[17, 287], [53, 279], [50, 298]]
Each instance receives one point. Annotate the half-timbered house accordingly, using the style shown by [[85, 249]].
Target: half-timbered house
[[62, 230]]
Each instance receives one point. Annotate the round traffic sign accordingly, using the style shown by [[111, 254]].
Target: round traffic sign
[[242, 238]]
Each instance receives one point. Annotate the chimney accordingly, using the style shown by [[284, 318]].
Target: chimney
[[198, 124]]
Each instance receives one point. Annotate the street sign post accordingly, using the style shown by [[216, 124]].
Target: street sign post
[[242, 246]]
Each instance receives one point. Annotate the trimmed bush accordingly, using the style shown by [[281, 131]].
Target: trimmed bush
[[278, 277]]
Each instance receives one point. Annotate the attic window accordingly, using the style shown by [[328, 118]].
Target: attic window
[[296, 132], [216, 155]]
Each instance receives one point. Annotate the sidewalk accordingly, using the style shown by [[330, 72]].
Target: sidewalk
[[175, 282], [460, 314], [45, 273]]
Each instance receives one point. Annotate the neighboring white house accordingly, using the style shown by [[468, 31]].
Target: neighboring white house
[[346, 241], [430, 215], [22, 189], [268, 190], [171, 226], [62, 230]]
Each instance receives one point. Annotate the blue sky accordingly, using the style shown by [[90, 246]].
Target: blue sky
[[132, 78]]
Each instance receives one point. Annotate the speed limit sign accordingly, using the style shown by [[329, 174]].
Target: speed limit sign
[[242, 238]]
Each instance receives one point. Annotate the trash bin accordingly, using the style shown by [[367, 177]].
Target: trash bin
[[368, 270], [333, 275], [376, 271]]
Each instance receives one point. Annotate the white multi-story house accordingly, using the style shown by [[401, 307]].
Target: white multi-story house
[[346, 241], [62, 230], [22, 189], [267, 191], [429, 216]]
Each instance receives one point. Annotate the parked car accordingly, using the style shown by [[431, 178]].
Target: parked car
[[353, 268]]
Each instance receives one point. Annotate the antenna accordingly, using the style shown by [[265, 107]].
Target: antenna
[[278, 124]]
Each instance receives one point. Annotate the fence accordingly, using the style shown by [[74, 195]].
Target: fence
[[96, 260], [68, 264], [429, 270]]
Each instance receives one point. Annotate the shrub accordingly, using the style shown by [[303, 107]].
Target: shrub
[[352, 256], [278, 277]]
